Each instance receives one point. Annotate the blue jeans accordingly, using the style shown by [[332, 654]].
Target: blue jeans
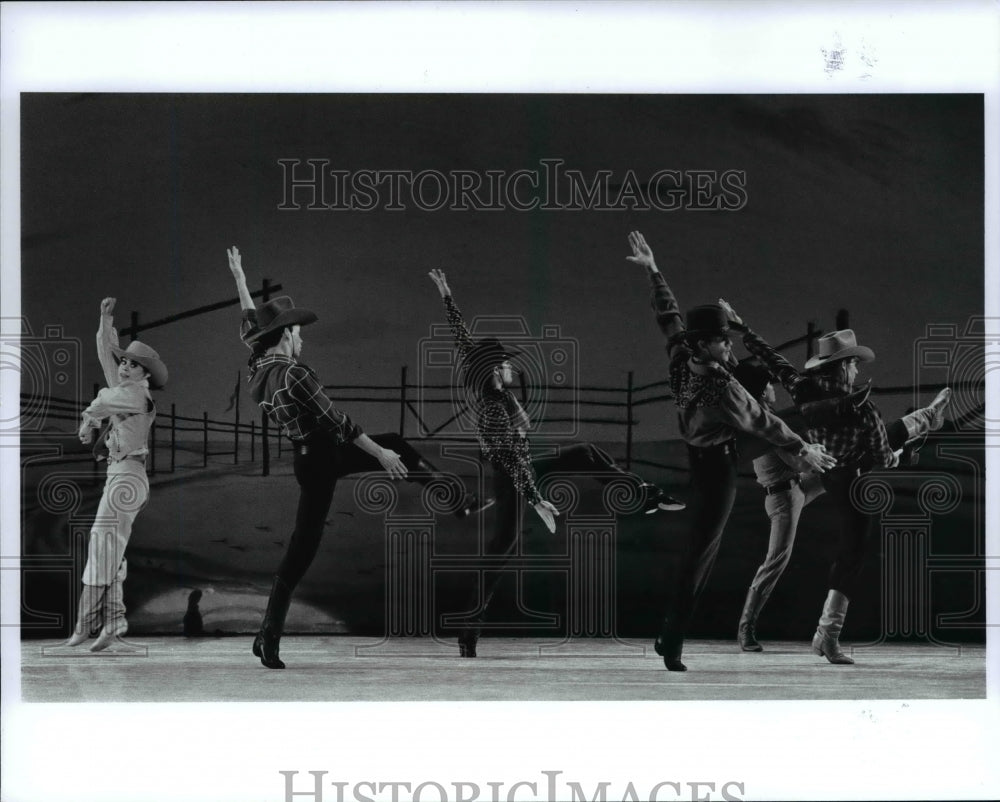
[[784, 509]]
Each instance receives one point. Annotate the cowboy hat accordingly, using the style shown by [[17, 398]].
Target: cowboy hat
[[278, 314], [838, 345], [141, 353], [707, 320]]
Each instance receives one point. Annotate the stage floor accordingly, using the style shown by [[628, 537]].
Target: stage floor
[[339, 668]]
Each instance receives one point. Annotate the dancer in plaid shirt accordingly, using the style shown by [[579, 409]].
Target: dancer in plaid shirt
[[328, 444], [502, 430], [712, 409], [858, 439]]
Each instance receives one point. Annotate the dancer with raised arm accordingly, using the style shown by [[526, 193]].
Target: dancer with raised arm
[[126, 410], [712, 408], [328, 445], [502, 427], [859, 440]]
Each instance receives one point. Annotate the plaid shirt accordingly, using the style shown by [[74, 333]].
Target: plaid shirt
[[852, 443], [501, 440], [712, 406], [292, 396]]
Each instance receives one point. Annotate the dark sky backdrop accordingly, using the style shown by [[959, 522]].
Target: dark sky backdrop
[[869, 202]]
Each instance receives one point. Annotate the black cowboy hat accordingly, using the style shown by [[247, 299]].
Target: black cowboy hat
[[753, 376], [278, 314], [707, 320]]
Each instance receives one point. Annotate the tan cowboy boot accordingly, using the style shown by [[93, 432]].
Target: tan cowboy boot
[[826, 641], [115, 624], [88, 611]]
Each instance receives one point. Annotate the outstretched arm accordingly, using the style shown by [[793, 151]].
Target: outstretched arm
[[783, 370], [249, 322], [107, 338], [668, 313], [463, 339]]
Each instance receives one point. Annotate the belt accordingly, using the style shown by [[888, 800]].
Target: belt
[[780, 487], [720, 449], [137, 457]]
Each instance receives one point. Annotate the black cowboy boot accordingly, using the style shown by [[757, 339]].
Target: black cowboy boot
[[467, 641], [265, 645], [669, 645], [746, 634]]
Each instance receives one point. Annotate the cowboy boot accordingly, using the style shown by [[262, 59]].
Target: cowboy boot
[[88, 611], [746, 634], [833, 411], [265, 645], [669, 645], [928, 419], [826, 641], [467, 641], [115, 624]]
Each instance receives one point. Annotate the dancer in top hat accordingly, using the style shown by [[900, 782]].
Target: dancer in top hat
[[502, 427], [712, 408], [859, 440], [126, 410], [328, 444]]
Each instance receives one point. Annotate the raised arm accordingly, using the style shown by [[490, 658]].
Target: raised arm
[[784, 371], [668, 313], [249, 321], [107, 338], [463, 339]]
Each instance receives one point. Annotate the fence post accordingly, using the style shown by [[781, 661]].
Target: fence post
[[173, 437], [628, 423], [253, 440], [402, 401], [236, 437], [265, 446], [810, 338], [843, 319], [204, 440], [133, 331]]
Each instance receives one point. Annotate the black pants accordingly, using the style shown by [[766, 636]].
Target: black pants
[[854, 529], [713, 491], [317, 468], [579, 458]]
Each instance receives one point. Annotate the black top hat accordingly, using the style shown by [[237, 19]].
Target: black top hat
[[707, 320], [278, 314], [753, 376]]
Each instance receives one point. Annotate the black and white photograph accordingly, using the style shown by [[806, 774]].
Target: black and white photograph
[[450, 412]]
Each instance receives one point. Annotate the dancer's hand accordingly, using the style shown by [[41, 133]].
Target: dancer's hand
[[730, 312], [235, 263], [438, 277], [642, 254], [392, 463], [816, 457], [86, 434], [107, 306], [547, 512]]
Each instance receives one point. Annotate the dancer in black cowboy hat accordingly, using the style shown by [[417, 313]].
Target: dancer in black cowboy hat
[[855, 435], [328, 444], [126, 409], [502, 430], [712, 409]]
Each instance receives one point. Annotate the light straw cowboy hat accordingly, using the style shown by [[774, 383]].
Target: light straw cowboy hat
[[838, 345], [141, 353]]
